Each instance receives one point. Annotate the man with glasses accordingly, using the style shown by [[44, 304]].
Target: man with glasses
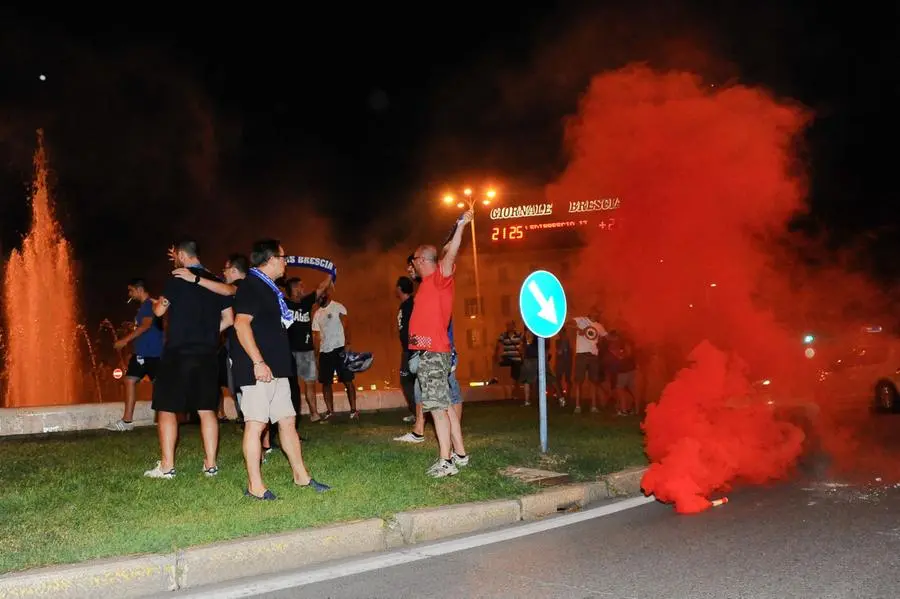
[[431, 348], [262, 367]]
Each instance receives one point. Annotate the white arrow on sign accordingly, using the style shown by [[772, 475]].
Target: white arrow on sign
[[548, 309]]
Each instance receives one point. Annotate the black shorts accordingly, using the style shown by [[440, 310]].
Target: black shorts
[[331, 363], [515, 370], [140, 367], [186, 382]]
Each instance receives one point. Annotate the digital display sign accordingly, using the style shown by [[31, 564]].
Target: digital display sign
[[546, 220]]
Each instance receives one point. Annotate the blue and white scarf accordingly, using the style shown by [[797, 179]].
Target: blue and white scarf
[[322, 264], [287, 317]]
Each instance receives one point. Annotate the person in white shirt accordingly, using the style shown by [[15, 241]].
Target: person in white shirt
[[331, 336], [588, 333]]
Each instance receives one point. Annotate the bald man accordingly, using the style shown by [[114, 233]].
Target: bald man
[[431, 348]]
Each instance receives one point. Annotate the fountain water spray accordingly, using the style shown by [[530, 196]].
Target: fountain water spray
[[42, 361], [82, 331]]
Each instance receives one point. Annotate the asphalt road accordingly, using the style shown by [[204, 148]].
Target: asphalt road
[[812, 538]]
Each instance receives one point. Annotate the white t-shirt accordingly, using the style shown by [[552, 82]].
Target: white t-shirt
[[327, 322], [587, 343]]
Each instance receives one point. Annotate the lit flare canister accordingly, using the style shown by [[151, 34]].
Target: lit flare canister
[[718, 502]]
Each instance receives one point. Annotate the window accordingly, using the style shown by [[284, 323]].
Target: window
[[471, 338], [471, 306], [505, 305]]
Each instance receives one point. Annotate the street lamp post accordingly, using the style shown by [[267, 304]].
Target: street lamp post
[[470, 202]]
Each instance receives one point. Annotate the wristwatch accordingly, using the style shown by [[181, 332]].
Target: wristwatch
[[196, 279]]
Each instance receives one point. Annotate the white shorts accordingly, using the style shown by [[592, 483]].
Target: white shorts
[[267, 402]]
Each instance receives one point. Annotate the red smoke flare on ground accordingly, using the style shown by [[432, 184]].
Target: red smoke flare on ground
[[705, 433], [705, 179]]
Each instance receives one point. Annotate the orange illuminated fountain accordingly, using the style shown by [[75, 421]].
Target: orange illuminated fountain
[[42, 364]]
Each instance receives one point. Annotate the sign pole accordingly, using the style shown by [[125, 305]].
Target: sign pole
[[542, 303], [542, 391]]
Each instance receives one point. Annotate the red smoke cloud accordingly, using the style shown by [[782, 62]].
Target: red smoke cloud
[[705, 433], [706, 180]]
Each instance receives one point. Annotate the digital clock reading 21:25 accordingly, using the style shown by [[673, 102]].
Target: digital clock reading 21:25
[[507, 232]]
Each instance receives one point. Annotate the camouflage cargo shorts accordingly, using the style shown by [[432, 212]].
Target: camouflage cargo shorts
[[432, 371]]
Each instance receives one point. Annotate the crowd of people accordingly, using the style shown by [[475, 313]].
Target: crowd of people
[[272, 334], [601, 367]]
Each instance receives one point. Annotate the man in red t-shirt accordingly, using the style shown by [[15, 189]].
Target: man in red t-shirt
[[430, 347]]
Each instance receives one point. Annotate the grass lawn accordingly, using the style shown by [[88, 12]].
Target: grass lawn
[[69, 498]]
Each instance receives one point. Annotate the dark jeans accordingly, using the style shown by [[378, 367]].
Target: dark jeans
[[407, 382]]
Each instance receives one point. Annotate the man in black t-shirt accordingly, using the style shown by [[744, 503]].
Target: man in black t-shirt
[[300, 336], [234, 271], [262, 367], [407, 379], [187, 374]]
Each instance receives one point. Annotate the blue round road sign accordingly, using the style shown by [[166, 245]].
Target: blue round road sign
[[542, 303]]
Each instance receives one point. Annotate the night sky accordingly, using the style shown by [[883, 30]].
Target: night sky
[[229, 125]]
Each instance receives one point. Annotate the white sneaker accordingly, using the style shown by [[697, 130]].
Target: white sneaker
[[158, 473], [459, 461], [120, 426], [410, 438], [442, 469], [409, 419]]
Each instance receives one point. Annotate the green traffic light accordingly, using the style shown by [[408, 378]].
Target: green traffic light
[[808, 339]]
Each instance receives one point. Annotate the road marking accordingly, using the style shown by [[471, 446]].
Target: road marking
[[410, 554]]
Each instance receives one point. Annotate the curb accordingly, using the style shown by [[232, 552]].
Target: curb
[[141, 576]]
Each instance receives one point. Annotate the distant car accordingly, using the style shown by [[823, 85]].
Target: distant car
[[854, 372]]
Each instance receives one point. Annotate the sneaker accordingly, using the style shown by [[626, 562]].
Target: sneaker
[[354, 415], [210, 472], [459, 460], [527, 403], [443, 468], [562, 402], [120, 426], [594, 410], [578, 409], [409, 419], [325, 418], [267, 451], [410, 438], [315, 418], [267, 496], [158, 473]]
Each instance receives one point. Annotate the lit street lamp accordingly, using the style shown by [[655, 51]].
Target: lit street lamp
[[470, 199]]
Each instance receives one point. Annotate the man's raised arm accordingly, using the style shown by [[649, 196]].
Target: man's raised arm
[[324, 285], [452, 247], [216, 287]]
